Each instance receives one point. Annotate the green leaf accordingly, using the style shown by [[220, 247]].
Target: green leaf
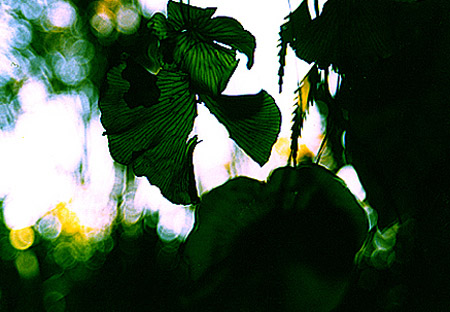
[[210, 67], [229, 31], [183, 16], [206, 47], [152, 137], [253, 121], [158, 25], [143, 89]]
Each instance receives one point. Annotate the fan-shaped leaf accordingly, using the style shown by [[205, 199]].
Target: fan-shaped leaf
[[182, 16], [209, 67], [158, 25], [253, 121], [152, 136], [347, 33], [206, 48], [229, 31]]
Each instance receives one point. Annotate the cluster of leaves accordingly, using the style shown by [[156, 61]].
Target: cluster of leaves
[[149, 107]]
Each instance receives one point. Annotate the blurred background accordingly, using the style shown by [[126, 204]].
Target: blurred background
[[78, 232]]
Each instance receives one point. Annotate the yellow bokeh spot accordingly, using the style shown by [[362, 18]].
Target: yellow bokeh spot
[[303, 94], [304, 152], [22, 239], [69, 219], [283, 148], [72, 224], [62, 212]]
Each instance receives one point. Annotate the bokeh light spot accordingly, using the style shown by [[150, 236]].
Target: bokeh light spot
[[22, 239], [27, 264], [61, 14], [70, 222], [128, 20], [106, 245], [22, 34], [175, 223], [32, 10], [62, 254], [130, 211], [82, 50], [102, 24], [165, 233], [81, 251], [49, 227], [32, 95], [71, 71]]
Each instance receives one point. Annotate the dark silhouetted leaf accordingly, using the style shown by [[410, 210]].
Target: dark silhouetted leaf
[[347, 34], [223, 214], [253, 121], [281, 61], [152, 138], [299, 115]]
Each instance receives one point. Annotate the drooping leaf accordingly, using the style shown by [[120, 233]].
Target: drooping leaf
[[229, 31], [300, 109], [152, 137], [206, 47], [282, 61], [253, 121]]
